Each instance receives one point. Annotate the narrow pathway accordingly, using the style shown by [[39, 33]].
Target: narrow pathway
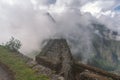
[[4, 75]]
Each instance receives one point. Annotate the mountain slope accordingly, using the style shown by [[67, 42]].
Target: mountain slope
[[20, 70], [106, 48]]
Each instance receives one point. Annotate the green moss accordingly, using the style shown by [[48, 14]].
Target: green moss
[[18, 66]]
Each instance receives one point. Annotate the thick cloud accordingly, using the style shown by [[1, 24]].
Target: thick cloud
[[97, 7], [32, 21], [29, 26], [104, 11]]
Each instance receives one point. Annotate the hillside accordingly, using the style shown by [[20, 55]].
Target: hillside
[[56, 55], [17, 66], [106, 48], [102, 50]]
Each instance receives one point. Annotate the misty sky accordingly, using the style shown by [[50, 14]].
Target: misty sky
[[32, 21]]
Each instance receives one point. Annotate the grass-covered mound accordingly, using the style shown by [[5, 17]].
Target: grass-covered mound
[[18, 66]]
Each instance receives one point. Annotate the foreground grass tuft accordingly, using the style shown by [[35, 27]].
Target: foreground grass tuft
[[18, 66]]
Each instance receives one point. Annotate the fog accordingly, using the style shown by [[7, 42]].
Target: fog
[[33, 21]]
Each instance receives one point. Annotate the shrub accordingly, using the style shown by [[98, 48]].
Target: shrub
[[13, 44]]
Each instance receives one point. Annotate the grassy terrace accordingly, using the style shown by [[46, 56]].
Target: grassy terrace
[[18, 66]]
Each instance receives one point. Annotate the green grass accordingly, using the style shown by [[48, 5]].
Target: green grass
[[18, 66], [103, 64]]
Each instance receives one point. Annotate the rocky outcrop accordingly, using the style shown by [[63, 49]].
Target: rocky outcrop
[[42, 70], [86, 75], [57, 56], [80, 67]]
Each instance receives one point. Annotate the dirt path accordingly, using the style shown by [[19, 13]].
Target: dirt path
[[3, 74]]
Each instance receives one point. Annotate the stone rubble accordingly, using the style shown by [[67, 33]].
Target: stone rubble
[[39, 69]]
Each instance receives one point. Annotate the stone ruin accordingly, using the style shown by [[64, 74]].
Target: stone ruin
[[57, 55]]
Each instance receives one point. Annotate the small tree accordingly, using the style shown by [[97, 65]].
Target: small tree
[[13, 44]]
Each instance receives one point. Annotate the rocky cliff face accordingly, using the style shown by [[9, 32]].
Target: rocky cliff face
[[101, 49], [57, 56], [54, 50], [106, 48]]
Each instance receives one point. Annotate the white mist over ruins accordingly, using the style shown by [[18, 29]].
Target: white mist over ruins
[[33, 21]]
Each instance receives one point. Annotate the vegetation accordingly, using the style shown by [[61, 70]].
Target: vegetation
[[103, 64], [13, 44], [18, 66]]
